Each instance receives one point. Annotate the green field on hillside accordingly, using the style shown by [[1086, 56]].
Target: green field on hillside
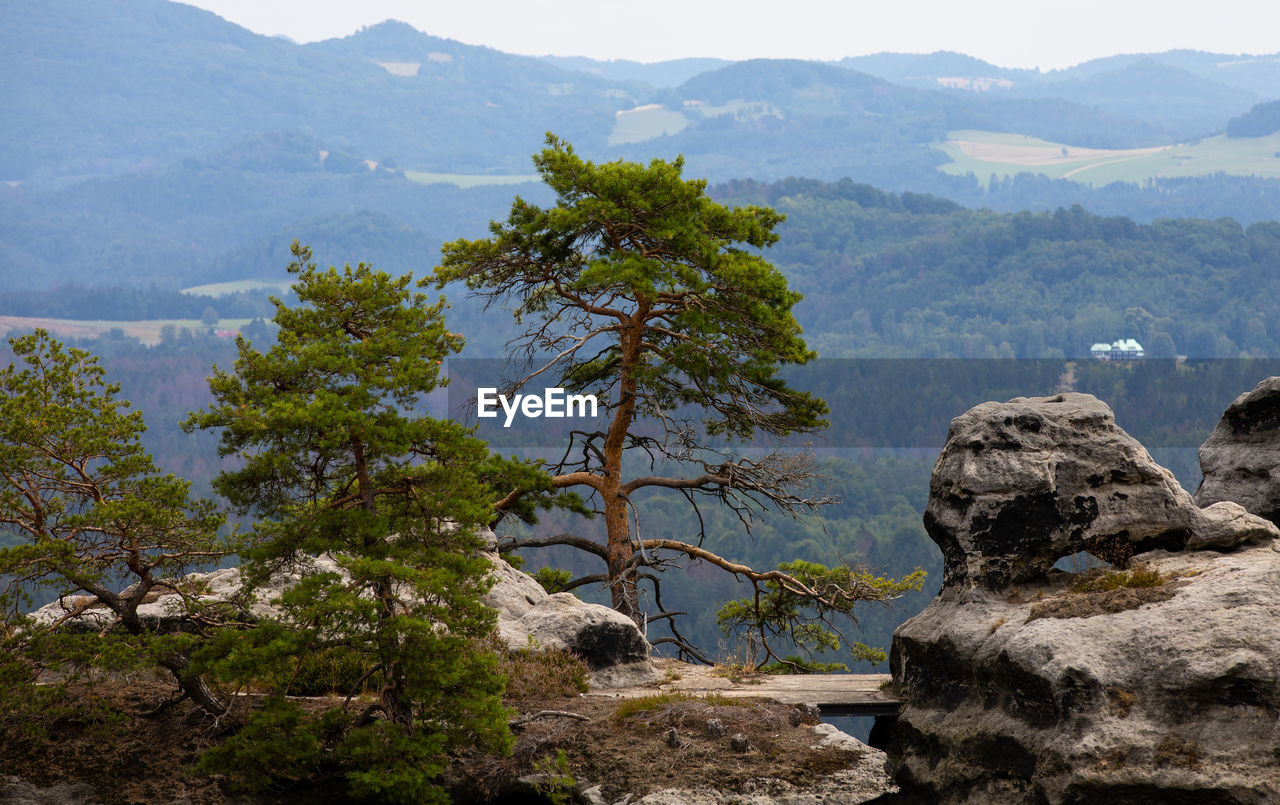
[[238, 286], [645, 123], [986, 153], [146, 331], [465, 180]]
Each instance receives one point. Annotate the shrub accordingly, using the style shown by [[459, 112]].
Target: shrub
[[335, 671], [545, 673], [553, 580]]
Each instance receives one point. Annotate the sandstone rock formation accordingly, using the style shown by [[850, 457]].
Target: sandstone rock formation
[[1019, 485], [864, 783], [1241, 458], [610, 642], [16, 791], [1018, 689]]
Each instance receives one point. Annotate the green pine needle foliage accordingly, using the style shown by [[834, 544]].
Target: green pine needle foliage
[[336, 460], [783, 615], [89, 517]]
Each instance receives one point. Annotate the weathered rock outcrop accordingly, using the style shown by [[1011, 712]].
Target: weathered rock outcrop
[[1017, 689], [610, 642], [1241, 458], [1019, 485]]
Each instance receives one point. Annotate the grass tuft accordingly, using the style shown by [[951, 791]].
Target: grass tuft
[[664, 701], [1101, 580], [547, 673]]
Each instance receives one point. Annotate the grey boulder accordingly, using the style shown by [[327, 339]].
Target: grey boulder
[[1241, 458], [1173, 700], [1020, 686], [610, 642], [1021, 484]]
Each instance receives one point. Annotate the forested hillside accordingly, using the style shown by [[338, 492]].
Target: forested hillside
[[169, 147], [910, 275], [903, 275], [231, 215], [1259, 121], [106, 87], [151, 82]]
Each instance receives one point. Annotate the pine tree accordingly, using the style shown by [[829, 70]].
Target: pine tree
[[638, 288], [92, 519], [337, 462]]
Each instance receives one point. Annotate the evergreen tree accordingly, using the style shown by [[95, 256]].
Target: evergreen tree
[[91, 518], [336, 462], [651, 296]]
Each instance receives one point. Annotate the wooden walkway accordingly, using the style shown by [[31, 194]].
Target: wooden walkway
[[834, 694]]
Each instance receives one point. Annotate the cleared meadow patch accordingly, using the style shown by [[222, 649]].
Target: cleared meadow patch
[[238, 286], [465, 180], [986, 153], [645, 123], [147, 331], [654, 120]]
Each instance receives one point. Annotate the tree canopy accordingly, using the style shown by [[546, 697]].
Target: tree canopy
[[638, 288], [337, 461], [96, 522]]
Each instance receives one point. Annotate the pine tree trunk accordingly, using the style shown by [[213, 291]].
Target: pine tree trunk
[[622, 578], [194, 686]]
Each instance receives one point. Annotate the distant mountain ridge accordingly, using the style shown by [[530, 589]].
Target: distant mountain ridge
[[927, 70], [150, 81], [670, 73], [1185, 103], [1257, 74], [393, 41], [160, 143]]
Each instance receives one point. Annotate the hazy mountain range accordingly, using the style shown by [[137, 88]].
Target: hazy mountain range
[[153, 142], [107, 86]]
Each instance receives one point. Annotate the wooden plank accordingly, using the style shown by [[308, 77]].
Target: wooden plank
[[834, 694]]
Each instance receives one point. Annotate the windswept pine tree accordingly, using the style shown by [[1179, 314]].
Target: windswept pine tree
[[639, 289], [92, 520]]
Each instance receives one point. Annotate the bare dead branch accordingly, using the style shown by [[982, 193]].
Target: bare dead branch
[[594, 578], [572, 540], [520, 722]]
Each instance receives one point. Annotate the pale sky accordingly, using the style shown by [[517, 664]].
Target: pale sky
[[1009, 33]]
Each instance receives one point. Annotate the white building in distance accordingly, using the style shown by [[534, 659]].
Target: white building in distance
[[1126, 349]]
